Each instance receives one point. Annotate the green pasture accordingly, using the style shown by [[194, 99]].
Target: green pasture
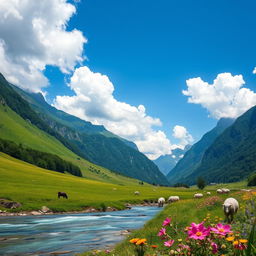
[[34, 187]]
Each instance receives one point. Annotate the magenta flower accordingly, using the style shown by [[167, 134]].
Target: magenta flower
[[167, 221], [162, 232], [214, 247], [221, 229], [169, 243], [198, 231]]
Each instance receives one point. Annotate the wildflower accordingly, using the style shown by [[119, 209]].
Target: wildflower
[[180, 239], [230, 238], [141, 241], [134, 240], [172, 252], [162, 232], [238, 245], [221, 229], [166, 222], [243, 241], [223, 246], [154, 246], [198, 231], [169, 243], [214, 247]]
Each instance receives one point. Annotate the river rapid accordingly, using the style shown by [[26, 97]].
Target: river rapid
[[71, 233]]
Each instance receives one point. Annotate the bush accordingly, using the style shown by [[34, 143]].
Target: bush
[[201, 183], [252, 180]]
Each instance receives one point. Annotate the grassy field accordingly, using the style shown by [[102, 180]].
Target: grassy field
[[182, 214], [34, 187]]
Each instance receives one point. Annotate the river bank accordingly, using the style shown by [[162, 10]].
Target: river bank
[[46, 211]]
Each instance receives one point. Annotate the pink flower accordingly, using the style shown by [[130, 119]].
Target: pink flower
[[221, 229], [166, 222], [162, 232], [214, 247], [169, 243], [198, 231]]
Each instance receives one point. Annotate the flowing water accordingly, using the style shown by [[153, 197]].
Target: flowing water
[[42, 235]]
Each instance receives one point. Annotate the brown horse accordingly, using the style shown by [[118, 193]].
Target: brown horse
[[62, 194]]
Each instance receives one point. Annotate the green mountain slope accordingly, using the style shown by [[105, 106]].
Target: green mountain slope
[[110, 152], [232, 156], [194, 155], [95, 143]]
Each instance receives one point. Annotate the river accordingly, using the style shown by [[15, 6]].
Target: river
[[42, 235]]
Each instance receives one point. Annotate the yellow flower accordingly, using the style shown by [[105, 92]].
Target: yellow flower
[[230, 238], [243, 241], [134, 240], [223, 246], [180, 240], [235, 243], [141, 241]]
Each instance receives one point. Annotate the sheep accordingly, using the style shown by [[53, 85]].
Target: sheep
[[230, 208], [161, 201], [219, 191], [198, 195], [225, 190], [208, 193], [173, 199], [136, 193]]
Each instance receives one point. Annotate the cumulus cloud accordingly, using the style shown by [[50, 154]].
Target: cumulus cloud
[[224, 98], [33, 34], [94, 101], [254, 71], [184, 137]]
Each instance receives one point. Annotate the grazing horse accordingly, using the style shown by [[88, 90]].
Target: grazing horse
[[62, 194]]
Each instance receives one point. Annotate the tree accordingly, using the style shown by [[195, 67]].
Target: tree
[[201, 183]]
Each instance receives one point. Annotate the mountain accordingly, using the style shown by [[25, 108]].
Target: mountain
[[232, 156], [166, 163], [194, 155], [94, 143]]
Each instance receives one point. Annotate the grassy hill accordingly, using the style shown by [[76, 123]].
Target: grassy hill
[[39, 187]]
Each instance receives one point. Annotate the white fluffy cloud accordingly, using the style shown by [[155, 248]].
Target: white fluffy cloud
[[32, 35], [94, 101], [224, 98], [181, 133]]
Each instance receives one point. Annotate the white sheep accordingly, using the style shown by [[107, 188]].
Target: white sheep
[[198, 195], [136, 193], [219, 191], [173, 199], [161, 201], [225, 190], [208, 193], [230, 208]]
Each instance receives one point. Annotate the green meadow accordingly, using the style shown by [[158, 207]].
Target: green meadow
[[34, 187]]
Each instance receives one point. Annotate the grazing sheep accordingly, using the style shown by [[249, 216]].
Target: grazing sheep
[[230, 208], [219, 191], [225, 190], [136, 193], [161, 202], [173, 199], [208, 193], [198, 195]]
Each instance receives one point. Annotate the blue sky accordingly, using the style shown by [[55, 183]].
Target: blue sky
[[148, 49]]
